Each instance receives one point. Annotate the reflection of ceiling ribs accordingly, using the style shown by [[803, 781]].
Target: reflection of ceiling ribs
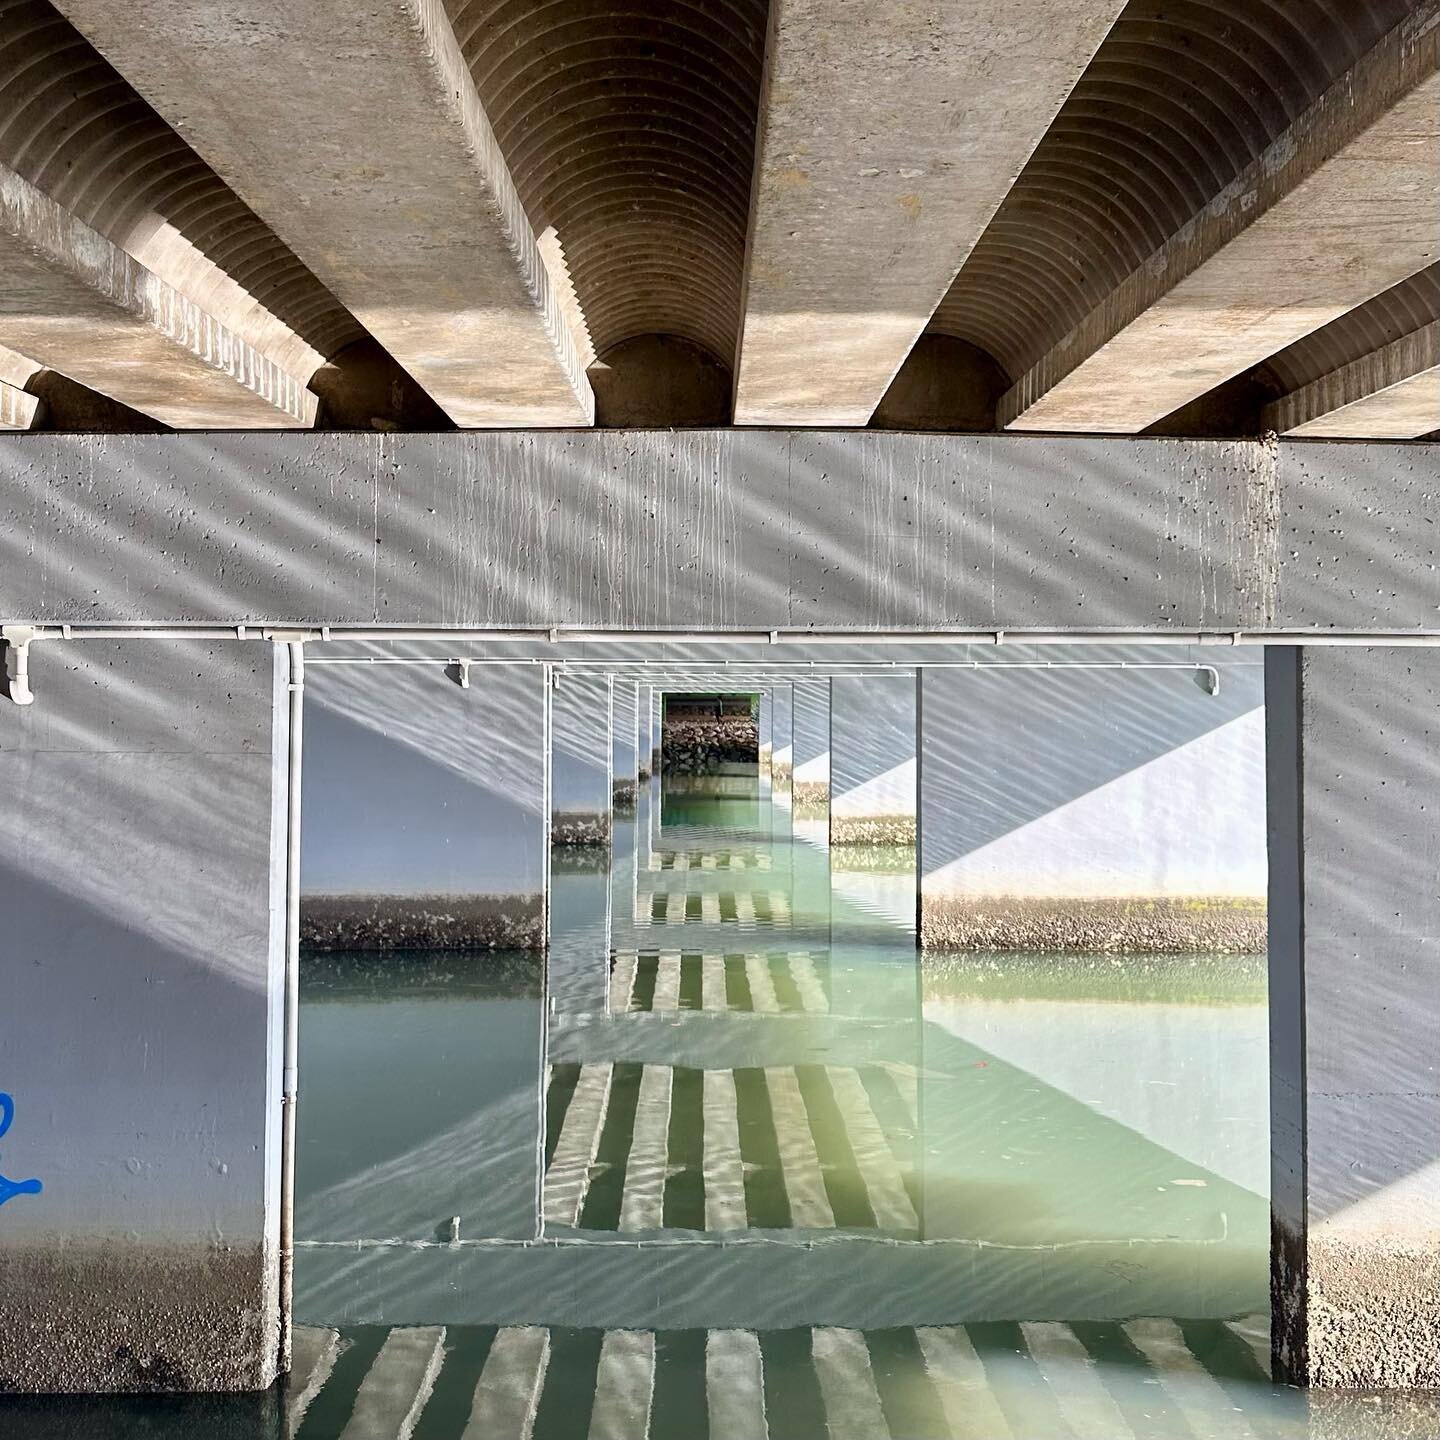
[[1199, 216]]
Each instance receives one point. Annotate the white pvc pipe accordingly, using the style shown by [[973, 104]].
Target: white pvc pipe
[[560, 636], [290, 1075]]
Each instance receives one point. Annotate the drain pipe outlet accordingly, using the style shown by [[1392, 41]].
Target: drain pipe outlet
[[17, 662]]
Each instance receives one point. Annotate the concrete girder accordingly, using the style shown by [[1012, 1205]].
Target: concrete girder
[[887, 141], [83, 306], [1392, 393], [84, 139], [1341, 206], [732, 530], [418, 230]]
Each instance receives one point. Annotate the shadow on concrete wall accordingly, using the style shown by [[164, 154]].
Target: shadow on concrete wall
[[1006, 747]]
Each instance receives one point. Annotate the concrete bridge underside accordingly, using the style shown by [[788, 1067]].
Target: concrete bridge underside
[[156, 585]]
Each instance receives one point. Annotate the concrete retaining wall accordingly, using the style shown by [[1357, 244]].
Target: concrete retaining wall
[[1093, 809], [141, 881], [872, 760], [425, 808]]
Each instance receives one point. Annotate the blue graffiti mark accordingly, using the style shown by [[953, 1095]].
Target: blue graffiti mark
[[11, 1188]]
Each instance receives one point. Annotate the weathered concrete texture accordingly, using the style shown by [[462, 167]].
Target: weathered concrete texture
[[872, 829], [140, 871], [1223, 924], [730, 529], [1354, 804], [580, 827], [420, 232], [423, 922], [1392, 393], [887, 140], [96, 1316], [80, 304], [1338, 208]]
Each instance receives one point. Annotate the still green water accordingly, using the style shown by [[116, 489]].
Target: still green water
[[735, 1162]]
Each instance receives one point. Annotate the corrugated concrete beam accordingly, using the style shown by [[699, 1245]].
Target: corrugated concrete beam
[[81, 305], [720, 530], [888, 137], [1340, 207], [397, 195], [1392, 393]]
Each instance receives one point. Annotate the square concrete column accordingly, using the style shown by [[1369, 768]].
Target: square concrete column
[[657, 714], [625, 767], [765, 722], [1353, 740], [580, 759], [872, 759], [426, 808], [644, 738], [810, 774], [142, 887]]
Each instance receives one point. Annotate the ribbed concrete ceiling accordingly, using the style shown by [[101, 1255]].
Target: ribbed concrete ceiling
[[78, 132], [629, 129], [1390, 316], [1181, 97], [602, 155]]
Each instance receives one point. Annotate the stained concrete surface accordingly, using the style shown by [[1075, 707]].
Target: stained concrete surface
[[728, 528]]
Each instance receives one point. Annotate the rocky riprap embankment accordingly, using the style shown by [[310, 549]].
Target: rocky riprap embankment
[[699, 745]]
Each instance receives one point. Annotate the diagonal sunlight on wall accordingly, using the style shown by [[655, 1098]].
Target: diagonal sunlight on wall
[[1190, 822]]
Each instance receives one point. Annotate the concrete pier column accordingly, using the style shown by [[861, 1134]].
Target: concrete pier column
[[1353, 738], [142, 885], [644, 744], [580, 759], [872, 760], [810, 773], [782, 759], [426, 808], [624, 763], [1074, 807], [765, 729], [657, 723]]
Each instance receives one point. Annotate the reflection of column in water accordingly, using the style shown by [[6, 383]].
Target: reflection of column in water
[[642, 1205], [735, 1386], [723, 1171], [508, 1395]]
